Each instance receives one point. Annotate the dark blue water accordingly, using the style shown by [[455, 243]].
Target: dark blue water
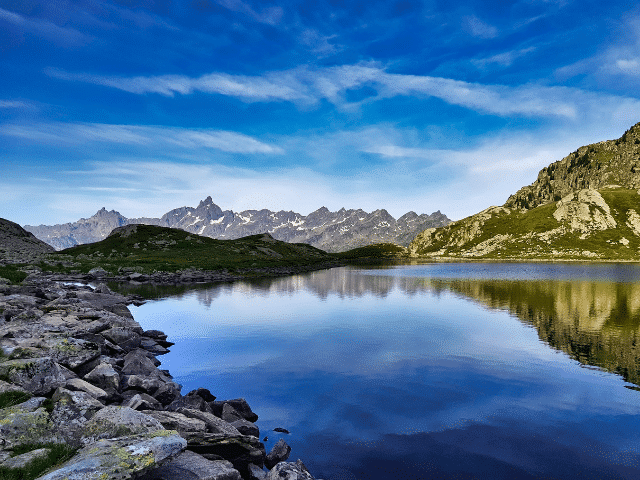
[[453, 371]]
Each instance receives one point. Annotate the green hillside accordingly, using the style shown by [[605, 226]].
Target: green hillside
[[150, 248], [589, 224]]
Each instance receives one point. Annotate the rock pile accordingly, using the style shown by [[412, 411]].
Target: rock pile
[[87, 376]]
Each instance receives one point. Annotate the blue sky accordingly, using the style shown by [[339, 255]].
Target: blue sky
[[144, 106]]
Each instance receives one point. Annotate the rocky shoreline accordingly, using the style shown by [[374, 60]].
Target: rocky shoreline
[[83, 373]]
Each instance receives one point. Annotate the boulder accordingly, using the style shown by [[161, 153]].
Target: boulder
[[105, 377], [239, 404], [256, 473], [120, 458], [125, 338], [142, 401], [71, 352], [279, 453], [230, 414], [290, 471], [138, 363], [143, 383], [240, 450], [194, 402], [79, 385], [203, 393], [71, 412], [152, 346], [167, 393], [178, 421], [113, 421], [39, 376], [191, 466], [245, 427], [213, 423], [21, 461], [24, 424]]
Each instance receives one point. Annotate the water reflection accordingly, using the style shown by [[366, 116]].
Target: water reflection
[[596, 323]]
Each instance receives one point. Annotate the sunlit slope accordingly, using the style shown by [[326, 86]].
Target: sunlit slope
[[587, 224], [151, 248]]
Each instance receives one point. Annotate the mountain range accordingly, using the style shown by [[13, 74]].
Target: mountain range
[[329, 231], [585, 206]]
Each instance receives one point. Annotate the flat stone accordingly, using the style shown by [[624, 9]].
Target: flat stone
[[239, 404], [79, 385], [245, 427], [125, 338], [240, 450], [142, 401], [21, 461], [191, 466], [213, 423], [120, 458], [177, 421], [113, 421]]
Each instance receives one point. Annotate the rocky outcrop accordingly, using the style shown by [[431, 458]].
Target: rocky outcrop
[[18, 245], [93, 378]]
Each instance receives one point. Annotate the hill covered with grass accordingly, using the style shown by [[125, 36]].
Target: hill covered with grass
[[148, 248]]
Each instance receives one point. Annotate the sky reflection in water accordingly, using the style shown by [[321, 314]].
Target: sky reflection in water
[[431, 371]]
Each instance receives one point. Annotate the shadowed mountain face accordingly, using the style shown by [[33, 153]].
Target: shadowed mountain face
[[17, 245], [329, 231]]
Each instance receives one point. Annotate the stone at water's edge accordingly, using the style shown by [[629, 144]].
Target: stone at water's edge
[[279, 453], [120, 458], [189, 465], [290, 471]]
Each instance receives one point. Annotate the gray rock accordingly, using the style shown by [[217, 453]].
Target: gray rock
[[10, 387], [142, 401], [39, 376], [105, 377], [79, 385], [213, 423], [138, 363], [203, 393], [125, 338], [191, 466], [144, 383], [239, 404], [240, 450], [19, 426], [245, 427], [290, 471], [71, 352], [98, 273], [152, 346], [167, 393], [178, 421], [256, 473], [21, 461], [120, 458], [193, 402], [71, 412], [112, 422], [230, 414], [279, 453]]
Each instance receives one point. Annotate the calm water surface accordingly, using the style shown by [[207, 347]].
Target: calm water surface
[[453, 371]]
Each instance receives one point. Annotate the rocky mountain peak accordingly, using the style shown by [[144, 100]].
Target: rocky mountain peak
[[610, 162]]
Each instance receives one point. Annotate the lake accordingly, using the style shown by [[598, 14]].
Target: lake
[[445, 370]]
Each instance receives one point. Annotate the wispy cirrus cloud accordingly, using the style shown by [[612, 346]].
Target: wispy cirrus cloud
[[45, 28], [183, 138], [308, 86], [268, 15], [504, 59], [478, 28]]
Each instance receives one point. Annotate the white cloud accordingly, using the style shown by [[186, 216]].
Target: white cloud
[[308, 86], [478, 28], [149, 136], [504, 59], [268, 15], [45, 29], [18, 104]]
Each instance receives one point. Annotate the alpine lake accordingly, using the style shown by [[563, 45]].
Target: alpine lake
[[421, 371]]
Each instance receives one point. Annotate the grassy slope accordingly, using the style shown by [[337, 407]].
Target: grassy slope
[[153, 248], [521, 224]]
